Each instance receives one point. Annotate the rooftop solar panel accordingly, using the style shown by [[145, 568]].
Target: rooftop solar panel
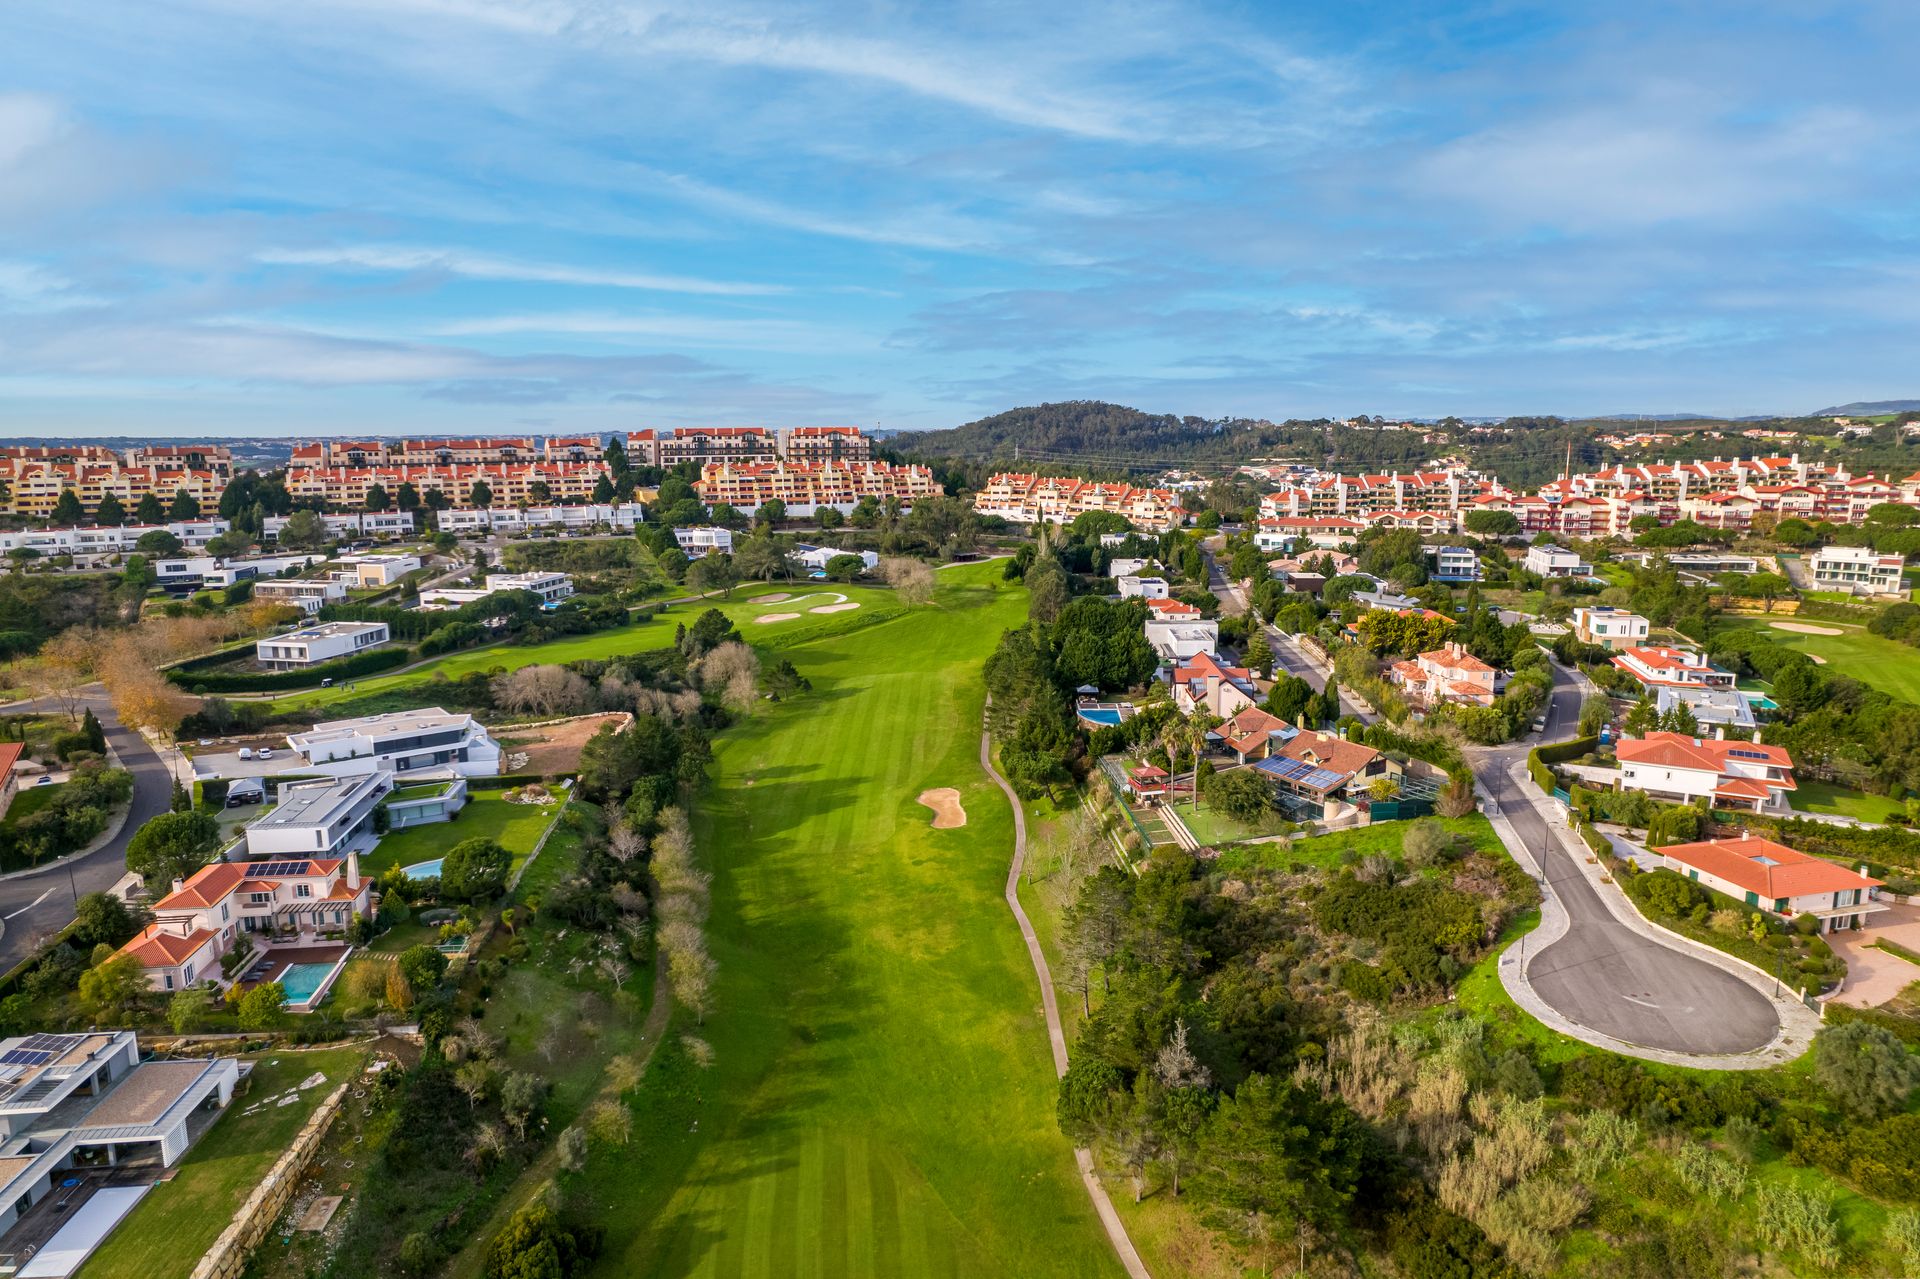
[[25, 1057]]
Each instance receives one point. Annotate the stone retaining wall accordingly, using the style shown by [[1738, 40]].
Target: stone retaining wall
[[227, 1258]]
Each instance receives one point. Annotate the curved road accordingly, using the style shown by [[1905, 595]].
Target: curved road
[[34, 906], [1604, 975]]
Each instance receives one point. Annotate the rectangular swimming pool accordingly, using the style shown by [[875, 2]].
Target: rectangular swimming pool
[[1100, 715], [301, 981]]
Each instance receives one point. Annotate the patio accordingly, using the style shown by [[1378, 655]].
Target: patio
[[1874, 976]]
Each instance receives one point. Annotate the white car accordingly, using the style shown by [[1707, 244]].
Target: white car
[[266, 752]]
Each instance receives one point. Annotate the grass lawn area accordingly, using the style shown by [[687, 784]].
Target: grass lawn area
[[881, 1101], [180, 1219], [1891, 667], [30, 800], [1341, 848], [1214, 829], [1825, 797], [876, 604], [515, 827]]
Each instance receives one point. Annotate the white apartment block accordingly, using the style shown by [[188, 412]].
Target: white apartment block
[[352, 524], [1858, 570], [312, 645], [96, 542], [622, 517]]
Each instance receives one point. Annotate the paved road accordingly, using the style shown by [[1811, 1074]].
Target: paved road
[[1604, 975], [35, 906], [1286, 652]]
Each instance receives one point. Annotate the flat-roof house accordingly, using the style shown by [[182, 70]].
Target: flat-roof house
[[311, 645], [1454, 564], [551, 587], [365, 571], [1446, 674], [703, 539], [1711, 707], [1146, 588], [87, 1100], [1731, 774], [1122, 566], [399, 742], [1182, 640], [1609, 627], [309, 594], [1554, 561], [1659, 665], [1778, 879], [1857, 570], [319, 818]]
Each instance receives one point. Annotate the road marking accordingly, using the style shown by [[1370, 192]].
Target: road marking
[[1644, 1003], [30, 905]]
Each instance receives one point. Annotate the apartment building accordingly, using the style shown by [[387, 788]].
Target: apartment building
[[33, 487], [1029, 499], [620, 517], [90, 542], [312, 645], [508, 483], [1324, 532], [352, 524], [805, 488], [1857, 570], [217, 458], [493, 450], [826, 444]]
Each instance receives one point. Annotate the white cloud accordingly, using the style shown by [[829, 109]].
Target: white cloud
[[678, 330], [479, 266]]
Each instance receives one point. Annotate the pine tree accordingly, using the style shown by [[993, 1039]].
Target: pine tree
[[149, 511], [185, 506], [110, 511], [67, 510], [96, 736]]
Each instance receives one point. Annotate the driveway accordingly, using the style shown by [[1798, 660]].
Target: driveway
[[1874, 976], [35, 906], [1604, 975]]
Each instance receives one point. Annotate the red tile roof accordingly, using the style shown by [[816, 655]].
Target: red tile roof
[[157, 949], [1325, 750], [1677, 750], [1769, 870], [9, 756]]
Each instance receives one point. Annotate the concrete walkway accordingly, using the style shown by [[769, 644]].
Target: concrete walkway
[[1056, 1037], [1623, 971]]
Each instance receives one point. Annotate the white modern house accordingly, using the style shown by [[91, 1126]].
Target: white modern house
[[309, 594], [1145, 588], [1553, 561], [1711, 707], [1777, 879], [620, 517], [323, 642], [320, 818], [1680, 769], [367, 571], [816, 557], [1454, 564], [1127, 567], [352, 524], [550, 587], [1180, 641], [87, 1101], [399, 742], [1857, 570], [1610, 628], [703, 539]]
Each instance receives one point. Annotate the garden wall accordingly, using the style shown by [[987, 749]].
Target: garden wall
[[227, 1259]]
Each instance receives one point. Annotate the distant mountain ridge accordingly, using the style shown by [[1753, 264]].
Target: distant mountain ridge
[[1868, 408], [1102, 436]]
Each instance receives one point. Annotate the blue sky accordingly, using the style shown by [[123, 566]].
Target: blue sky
[[338, 216]]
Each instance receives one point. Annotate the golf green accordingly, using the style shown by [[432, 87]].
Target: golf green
[[881, 1098], [1881, 663]]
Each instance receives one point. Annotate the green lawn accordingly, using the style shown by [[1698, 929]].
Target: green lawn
[[882, 1097], [1345, 847], [876, 604], [1825, 797], [1891, 667], [179, 1219], [516, 827], [30, 800], [1214, 829]]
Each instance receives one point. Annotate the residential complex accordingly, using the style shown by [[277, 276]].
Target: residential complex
[[704, 445], [1777, 879], [1727, 773], [805, 488], [1029, 499], [452, 485]]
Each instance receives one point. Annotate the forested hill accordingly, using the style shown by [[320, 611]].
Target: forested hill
[[1092, 436]]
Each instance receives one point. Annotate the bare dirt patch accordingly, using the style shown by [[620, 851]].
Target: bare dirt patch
[[945, 803], [555, 748], [776, 617], [833, 608], [778, 597], [1807, 628]]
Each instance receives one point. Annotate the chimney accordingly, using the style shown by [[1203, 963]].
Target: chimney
[[179, 884], [1756, 737], [1720, 733], [353, 868]]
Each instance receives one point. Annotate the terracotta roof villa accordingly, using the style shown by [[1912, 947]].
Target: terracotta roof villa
[[1775, 878]]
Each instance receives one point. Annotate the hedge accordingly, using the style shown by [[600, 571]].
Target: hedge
[[1540, 757], [12, 976], [367, 663], [1437, 751], [219, 657], [507, 781]]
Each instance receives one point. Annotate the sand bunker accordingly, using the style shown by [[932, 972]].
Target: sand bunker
[[778, 597], [1817, 659], [945, 803], [776, 617], [833, 608], [1804, 628]]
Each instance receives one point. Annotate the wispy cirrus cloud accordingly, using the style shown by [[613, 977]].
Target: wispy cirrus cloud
[[403, 259]]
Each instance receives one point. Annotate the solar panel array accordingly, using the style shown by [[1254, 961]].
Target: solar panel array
[[34, 1050], [272, 869], [1302, 773]]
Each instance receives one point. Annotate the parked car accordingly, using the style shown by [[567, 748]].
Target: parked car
[[43, 780], [266, 752], [246, 752]]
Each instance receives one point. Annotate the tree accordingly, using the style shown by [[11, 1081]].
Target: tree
[[1047, 589], [377, 499], [521, 1093], [185, 506], [763, 557], [260, 1007], [1241, 794], [67, 509], [771, 513], [96, 736], [1492, 523], [1594, 713], [101, 919], [480, 496], [159, 542], [845, 568], [713, 572], [535, 1245], [186, 1011], [911, 580], [1259, 655], [829, 517], [409, 496], [474, 870], [304, 530], [1866, 1068], [172, 846], [422, 967], [110, 511], [113, 987], [148, 510]]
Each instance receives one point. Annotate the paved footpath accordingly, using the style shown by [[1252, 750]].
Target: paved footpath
[[1102, 1204]]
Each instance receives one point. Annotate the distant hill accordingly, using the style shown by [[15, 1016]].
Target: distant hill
[[1097, 436], [1868, 408]]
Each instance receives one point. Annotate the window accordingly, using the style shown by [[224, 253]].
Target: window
[[225, 915], [189, 974], [169, 980], [303, 890]]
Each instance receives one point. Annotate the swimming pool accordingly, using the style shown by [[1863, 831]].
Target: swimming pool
[[302, 981], [1101, 715], [423, 870]]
